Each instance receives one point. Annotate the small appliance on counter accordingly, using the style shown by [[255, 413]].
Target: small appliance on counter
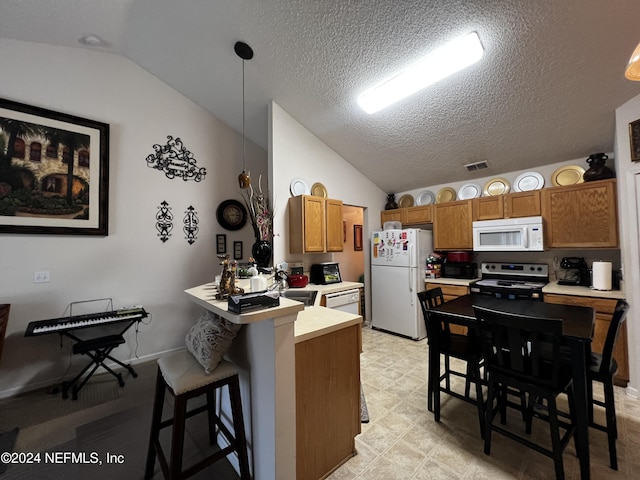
[[297, 280], [325, 273], [467, 270], [577, 272]]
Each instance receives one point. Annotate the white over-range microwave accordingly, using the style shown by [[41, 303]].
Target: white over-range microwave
[[509, 235]]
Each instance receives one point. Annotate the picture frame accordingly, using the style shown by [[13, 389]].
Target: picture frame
[[357, 238], [40, 150], [237, 250], [221, 243], [634, 140]]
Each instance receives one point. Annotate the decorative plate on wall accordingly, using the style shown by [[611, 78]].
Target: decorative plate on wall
[[405, 201], [496, 186], [446, 194], [299, 187], [426, 197], [568, 175], [231, 214], [469, 191], [318, 190], [528, 181]]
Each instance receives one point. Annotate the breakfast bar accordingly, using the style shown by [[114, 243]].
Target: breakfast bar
[[265, 353]]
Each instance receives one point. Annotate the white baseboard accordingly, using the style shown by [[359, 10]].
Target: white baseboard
[[11, 392]]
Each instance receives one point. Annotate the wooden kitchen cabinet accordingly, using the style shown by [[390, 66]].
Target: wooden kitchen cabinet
[[512, 205], [335, 232], [449, 292], [315, 225], [395, 215], [452, 225], [327, 401], [581, 216], [408, 216], [419, 215], [604, 308]]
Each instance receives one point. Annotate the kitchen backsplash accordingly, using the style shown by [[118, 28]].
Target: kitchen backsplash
[[548, 256]]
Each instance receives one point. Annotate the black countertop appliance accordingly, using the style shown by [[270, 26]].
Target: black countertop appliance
[[325, 273], [577, 272]]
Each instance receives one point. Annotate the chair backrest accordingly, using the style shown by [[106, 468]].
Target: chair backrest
[[521, 347], [618, 318], [429, 299], [4, 319]]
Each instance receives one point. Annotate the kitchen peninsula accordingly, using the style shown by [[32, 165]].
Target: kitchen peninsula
[[266, 352]]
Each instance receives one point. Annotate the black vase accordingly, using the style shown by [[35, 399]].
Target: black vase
[[597, 168], [261, 252], [391, 202]]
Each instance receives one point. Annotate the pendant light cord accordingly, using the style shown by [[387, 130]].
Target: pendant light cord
[[243, 140]]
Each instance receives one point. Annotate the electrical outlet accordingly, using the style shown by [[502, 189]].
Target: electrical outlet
[[43, 276]]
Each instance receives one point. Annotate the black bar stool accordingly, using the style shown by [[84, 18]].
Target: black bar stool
[[184, 378]]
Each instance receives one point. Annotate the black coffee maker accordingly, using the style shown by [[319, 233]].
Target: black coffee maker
[[577, 272]]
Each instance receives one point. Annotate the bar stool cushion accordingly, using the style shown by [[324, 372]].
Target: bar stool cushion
[[210, 338], [183, 373]]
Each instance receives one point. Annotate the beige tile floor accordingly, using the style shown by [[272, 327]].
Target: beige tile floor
[[402, 441]]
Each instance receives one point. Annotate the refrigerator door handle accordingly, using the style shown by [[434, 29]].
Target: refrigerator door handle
[[412, 286]]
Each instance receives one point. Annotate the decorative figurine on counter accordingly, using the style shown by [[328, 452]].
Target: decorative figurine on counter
[[391, 202], [597, 168], [228, 279]]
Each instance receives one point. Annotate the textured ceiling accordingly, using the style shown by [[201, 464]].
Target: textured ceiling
[[544, 92]]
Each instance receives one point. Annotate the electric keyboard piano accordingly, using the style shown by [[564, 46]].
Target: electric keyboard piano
[[65, 324], [97, 349]]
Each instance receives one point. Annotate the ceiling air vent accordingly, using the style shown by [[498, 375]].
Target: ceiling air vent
[[472, 167]]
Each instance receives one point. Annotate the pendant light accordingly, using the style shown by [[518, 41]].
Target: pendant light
[[633, 68], [245, 52]]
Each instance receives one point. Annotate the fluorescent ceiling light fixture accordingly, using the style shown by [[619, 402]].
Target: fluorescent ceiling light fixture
[[441, 63]]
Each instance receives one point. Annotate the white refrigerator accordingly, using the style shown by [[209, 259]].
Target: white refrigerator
[[398, 260]]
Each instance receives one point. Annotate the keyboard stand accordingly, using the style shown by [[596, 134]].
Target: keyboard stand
[[98, 349]]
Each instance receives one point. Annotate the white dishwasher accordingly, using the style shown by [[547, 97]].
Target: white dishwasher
[[346, 301]]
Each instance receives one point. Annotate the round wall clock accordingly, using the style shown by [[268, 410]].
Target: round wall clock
[[232, 215]]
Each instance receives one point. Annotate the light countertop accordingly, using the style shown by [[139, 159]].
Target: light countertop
[[204, 295], [463, 282], [554, 288], [314, 322]]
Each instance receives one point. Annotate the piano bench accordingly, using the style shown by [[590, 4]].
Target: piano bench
[[110, 341]]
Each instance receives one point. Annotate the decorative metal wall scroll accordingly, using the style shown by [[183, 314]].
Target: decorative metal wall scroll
[[191, 225], [164, 221], [175, 161]]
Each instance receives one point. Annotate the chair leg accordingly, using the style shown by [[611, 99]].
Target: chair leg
[[555, 438], [489, 417], [447, 372], [177, 437], [211, 413], [612, 428], [479, 400], [430, 385], [156, 419], [238, 427]]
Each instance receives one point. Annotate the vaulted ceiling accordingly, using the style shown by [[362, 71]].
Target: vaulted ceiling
[[545, 91]]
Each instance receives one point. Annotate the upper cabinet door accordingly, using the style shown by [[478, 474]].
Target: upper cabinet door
[[522, 204], [335, 231], [452, 226], [581, 216]]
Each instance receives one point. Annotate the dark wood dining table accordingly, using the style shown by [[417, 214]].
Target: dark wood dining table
[[577, 330]]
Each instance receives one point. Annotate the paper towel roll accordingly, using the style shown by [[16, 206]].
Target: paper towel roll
[[601, 272]]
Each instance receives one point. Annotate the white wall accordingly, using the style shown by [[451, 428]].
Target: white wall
[[130, 265], [628, 197], [297, 153]]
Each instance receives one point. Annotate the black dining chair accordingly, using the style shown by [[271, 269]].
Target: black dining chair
[[603, 368], [463, 347], [516, 349]]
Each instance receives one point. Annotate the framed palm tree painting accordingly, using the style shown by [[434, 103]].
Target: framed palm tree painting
[[54, 172]]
